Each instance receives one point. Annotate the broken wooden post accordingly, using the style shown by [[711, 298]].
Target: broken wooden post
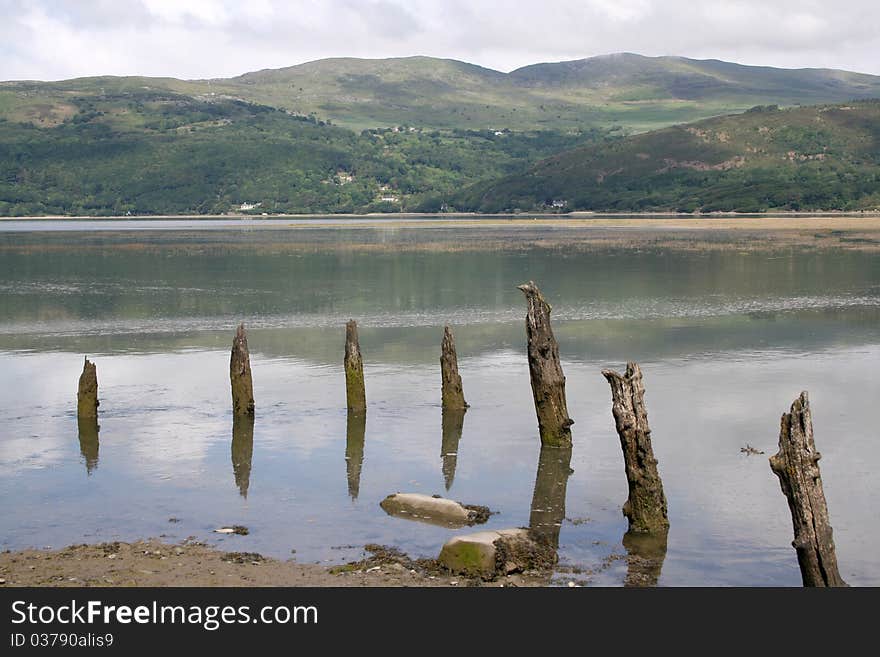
[[87, 395], [242, 451], [355, 430], [545, 370], [451, 392], [548, 500], [88, 441], [240, 374], [797, 466], [646, 506], [452, 424], [355, 393]]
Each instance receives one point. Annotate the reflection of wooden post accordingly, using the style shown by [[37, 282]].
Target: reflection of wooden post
[[242, 451], [645, 554], [355, 430], [88, 441], [545, 370], [646, 507], [797, 466], [548, 499], [452, 425], [355, 393], [240, 375], [87, 394], [451, 391]]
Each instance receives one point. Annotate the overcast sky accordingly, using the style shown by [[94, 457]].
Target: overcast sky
[[56, 39]]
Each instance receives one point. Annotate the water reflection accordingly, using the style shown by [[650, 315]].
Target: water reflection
[[548, 500], [355, 429], [453, 423], [88, 441], [645, 556], [242, 451]]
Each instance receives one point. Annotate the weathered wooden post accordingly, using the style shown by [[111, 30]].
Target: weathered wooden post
[[646, 506], [355, 393], [548, 499], [451, 392], [452, 424], [797, 466], [87, 395], [242, 451], [545, 370], [240, 375], [355, 431]]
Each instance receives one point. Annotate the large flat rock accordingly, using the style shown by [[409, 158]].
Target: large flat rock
[[433, 510], [491, 553]]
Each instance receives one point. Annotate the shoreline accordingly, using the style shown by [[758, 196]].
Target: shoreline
[[190, 563]]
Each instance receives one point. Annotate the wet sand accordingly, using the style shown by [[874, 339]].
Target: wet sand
[[154, 563]]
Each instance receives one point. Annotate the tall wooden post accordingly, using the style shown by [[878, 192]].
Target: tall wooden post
[[797, 466], [646, 507], [451, 391], [240, 374], [355, 393], [87, 395], [545, 370]]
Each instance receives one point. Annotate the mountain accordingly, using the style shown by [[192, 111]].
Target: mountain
[[633, 92], [807, 158]]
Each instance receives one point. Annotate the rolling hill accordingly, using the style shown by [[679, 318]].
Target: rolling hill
[[822, 157]]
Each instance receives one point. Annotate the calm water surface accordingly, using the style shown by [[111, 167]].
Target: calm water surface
[[726, 341]]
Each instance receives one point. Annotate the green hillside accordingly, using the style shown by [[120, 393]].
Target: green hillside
[[808, 158]]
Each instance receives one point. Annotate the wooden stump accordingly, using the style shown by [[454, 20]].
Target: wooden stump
[[548, 500], [545, 370], [88, 441], [355, 431], [355, 393], [240, 375], [451, 392], [646, 507], [242, 451], [797, 466], [87, 395], [452, 424]]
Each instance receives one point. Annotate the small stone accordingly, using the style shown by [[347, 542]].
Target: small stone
[[571, 585], [2, 581]]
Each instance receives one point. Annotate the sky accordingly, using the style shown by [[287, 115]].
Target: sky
[[59, 39]]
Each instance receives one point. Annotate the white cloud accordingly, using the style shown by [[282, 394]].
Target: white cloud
[[51, 39]]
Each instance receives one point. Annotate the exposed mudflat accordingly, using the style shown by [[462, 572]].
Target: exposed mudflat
[[154, 563]]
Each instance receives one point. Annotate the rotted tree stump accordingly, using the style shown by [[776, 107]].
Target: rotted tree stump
[[545, 371], [87, 394], [240, 375], [451, 392], [645, 509], [355, 393], [797, 466]]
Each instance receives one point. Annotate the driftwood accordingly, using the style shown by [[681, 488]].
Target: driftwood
[[88, 441], [646, 506], [797, 466], [242, 451], [87, 394], [548, 500], [545, 370], [240, 374], [355, 430], [355, 393], [451, 392], [452, 426]]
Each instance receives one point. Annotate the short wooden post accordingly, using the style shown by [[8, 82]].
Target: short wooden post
[[797, 466], [355, 432], [240, 374], [452, 424], [646, 506], [451, 391], [242, 451], [87, 395], [545, 370], [355, 392]]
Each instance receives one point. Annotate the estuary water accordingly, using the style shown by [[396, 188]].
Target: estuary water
[[726, 339]]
